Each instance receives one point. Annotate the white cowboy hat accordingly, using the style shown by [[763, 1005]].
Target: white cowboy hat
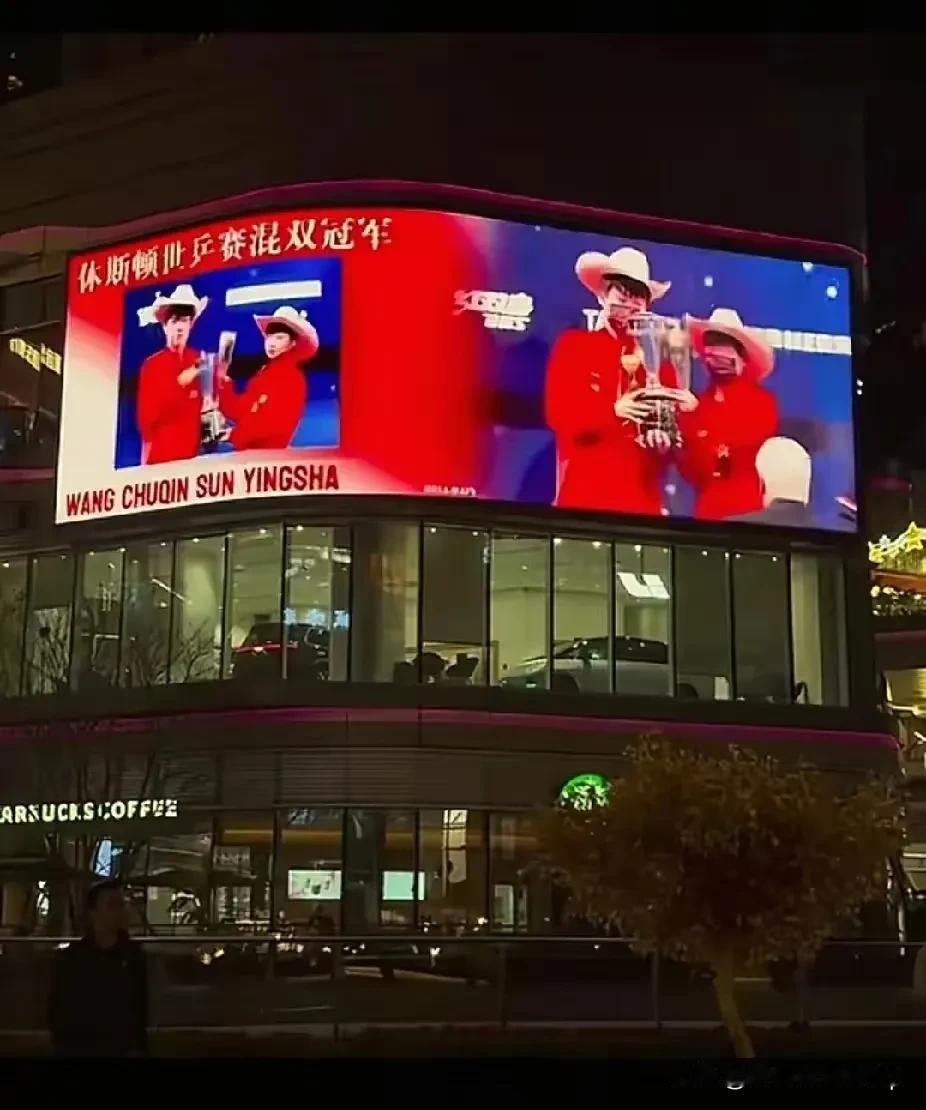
[[593, 267], [182, 297], [760, 358], [297, 322]]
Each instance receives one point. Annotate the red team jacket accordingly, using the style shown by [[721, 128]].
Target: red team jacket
[[602, 464], [721, 438], [168, 413], [267, 412]]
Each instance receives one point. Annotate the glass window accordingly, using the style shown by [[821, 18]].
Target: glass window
[[241, 867], [48, 629], [29, 904], [196, 637], [12, 617], [317, 603], [760, 624], [385, 603], [518, 895], [146, 613], [453, 606], [308, 870], [49, 403], [252, 605], [54, 299], [172, 870], [23, 305], [379, 870], [520, 611], [581, 616], [818, 630], [401, 885], [452, 856], [702, 624], [642, 619], [95, 660]]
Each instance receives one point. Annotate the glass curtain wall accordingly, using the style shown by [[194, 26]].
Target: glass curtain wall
[[642, 619], [390, 602], [452, 855], [198, 604], [308, 871], [379, 870], [242, 866], [703, 660], [48, 624], [97, 619], [253, 642], [453, 606], [316, 607], [520, 610], [818, 630], [146, 609], [401, 882], [519, 895], [329, 871], [13, 575], [172, 870], [760, 627], [582, 643]]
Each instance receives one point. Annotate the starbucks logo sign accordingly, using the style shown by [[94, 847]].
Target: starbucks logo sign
[[585, 791]]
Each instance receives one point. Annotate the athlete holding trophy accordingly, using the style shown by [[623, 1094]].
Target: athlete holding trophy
[[177, 410], [614, 395], [169, 402]]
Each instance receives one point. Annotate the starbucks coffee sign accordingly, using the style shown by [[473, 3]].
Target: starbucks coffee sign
[[53, 813]]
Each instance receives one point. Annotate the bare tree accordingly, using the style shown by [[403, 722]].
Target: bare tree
[[96, 769], [48, 644], [82, 772], [149, 656]]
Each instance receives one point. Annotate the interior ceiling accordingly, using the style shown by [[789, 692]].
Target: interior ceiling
[[256, 563]]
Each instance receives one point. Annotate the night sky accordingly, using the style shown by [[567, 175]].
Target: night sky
[[30, 63], [886, 67]]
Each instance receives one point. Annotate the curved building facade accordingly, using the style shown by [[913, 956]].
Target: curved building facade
[[324, 662]]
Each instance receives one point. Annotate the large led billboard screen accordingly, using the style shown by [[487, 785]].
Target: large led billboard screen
[[414, 352]]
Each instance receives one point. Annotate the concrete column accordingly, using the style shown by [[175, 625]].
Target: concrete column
[[363, 870], [385, 599]]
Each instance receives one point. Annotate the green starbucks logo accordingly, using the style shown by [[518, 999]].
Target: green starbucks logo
[[585, 791]]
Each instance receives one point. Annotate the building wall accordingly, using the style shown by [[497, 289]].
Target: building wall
[[618, 122], [548, 116]]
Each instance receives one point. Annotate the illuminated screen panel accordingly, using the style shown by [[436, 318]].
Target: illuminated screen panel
[[411, 352], [399, 886], [313, 885]]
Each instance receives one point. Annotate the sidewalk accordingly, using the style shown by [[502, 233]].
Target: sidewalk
[[825, 1042]]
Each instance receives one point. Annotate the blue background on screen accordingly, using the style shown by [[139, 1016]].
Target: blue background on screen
[[813, 390], [320, 423]]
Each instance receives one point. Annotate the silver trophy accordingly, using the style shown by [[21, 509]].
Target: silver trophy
[[214, 430], [210, 415], [663, 340]]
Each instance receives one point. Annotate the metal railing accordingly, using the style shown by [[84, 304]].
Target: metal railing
[[334, 986]]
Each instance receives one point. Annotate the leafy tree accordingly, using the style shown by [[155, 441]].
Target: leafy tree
[[725, 861]]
